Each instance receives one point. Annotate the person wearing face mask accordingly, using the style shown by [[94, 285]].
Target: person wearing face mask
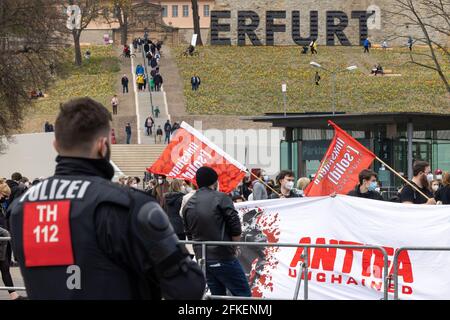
[[119, 239], [367, 187], [438, 175], [442, 196], [285, 185], [435, 186], [422, 178], [162, 187]]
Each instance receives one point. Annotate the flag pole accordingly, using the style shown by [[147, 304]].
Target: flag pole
[[264, 183], [405, 180]]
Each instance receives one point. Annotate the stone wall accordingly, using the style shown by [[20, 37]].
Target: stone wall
[[304, 20]]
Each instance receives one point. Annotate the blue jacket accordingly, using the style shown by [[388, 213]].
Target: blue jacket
[[366, 43], [139, 69]]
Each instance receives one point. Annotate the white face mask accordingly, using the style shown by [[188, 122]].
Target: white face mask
[[378, 190], [289, 185], [266, 178], [430, 177], [435, 187], [160, 181], [439, 177], [183, 189], [134, 185], [188, 189]]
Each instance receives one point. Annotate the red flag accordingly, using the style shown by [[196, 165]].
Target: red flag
[[341, 165], [188, 151]]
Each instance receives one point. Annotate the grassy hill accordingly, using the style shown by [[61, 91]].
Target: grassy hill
[[247, 81], [95, 78]]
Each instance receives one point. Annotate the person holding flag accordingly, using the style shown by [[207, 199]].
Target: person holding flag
[[421, 180], [346, 158]]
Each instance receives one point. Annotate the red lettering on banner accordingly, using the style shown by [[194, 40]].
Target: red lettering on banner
[[46, 234], [298, 257], [404, 267], [348, 259], [321, 277], [407, 290], [326, 256], [372, 262], [335, 278]]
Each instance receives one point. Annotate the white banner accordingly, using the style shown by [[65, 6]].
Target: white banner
[[346, 273]]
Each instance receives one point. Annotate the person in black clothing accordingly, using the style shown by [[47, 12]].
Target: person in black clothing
[[146, 48], [168, 131], [158, 81], [125, 83], [367, 186], [443, 194], [128, 132], [285, 186], [422, 177], [173, 200], [210, 215], [118, 237], [5, 246], [17, 187]]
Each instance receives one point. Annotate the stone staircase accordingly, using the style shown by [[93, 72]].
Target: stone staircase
[[133, 159]]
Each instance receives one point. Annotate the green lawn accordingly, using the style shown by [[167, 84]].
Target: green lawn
[[95, 78], [247, 81]]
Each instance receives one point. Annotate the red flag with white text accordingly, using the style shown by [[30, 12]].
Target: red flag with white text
[[189, 150], [341, 165]]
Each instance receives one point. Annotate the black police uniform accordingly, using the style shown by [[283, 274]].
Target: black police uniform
[[77, 235]]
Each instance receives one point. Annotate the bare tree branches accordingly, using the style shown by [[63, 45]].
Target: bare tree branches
[[31, 33], [431, 18]]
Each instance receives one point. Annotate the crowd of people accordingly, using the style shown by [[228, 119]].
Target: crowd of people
[[183, 200]]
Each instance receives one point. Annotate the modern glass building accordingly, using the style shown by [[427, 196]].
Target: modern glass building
[[396, 138]]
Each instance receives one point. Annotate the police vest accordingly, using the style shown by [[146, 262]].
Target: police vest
[[54, 240]]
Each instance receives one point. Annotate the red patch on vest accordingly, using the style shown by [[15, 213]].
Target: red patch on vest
[[46, 234]]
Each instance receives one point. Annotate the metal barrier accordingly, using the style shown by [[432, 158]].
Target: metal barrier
[[395, 262], [303, 266]]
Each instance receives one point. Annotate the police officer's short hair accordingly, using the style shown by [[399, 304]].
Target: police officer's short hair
[[366, 174], [419, 166], [80, 122]]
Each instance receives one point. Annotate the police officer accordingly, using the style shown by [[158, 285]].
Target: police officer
[[77, 235]]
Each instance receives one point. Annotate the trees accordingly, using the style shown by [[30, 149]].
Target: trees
[[80, 19], [122, 13], [31, 32], [196, 18], [430, 19]]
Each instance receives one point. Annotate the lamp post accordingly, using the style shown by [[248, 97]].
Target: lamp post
[[333, 79], [284, 90]]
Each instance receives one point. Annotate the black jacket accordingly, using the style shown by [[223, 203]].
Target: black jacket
[[17, 189], [210, 215], [172, 207], [109, 242], [124, 81], [368, 195]]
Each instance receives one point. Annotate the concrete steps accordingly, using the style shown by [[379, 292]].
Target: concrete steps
[[133, 159]]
